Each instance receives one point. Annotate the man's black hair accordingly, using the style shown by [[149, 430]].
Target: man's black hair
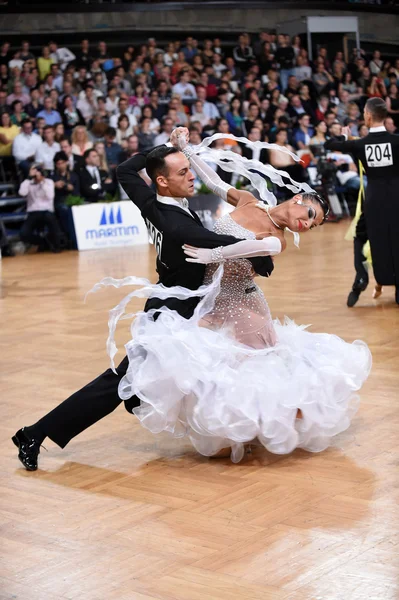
[[156, 164], [377, 108]]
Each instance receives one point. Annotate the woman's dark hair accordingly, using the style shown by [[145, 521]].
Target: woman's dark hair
[[147, 107], [234, 98], [377, 108], [123, 118], [156, 164], [317, 199]]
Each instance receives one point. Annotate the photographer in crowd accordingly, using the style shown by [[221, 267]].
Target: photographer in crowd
[[39, 193]]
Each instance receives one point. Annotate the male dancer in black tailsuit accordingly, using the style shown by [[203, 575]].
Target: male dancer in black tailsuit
[[171, 224], [379, 154]]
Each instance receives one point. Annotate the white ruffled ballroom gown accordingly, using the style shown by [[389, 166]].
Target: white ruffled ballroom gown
[[230, 374]]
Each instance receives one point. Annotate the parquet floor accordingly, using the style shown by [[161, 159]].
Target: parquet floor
[[122, 515]]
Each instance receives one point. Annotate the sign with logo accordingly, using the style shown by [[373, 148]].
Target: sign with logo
[[108, 225]]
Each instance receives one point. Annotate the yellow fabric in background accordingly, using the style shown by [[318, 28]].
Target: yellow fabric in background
[[351, 233]]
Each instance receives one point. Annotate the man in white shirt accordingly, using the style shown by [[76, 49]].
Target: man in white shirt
[[25, 145], [61, 56], [112, 102], [88, 104], [167, 128], [184, 88], [302, 70], [124, 109], [47, 150], [209, 109], [218, 66], [39, 193]]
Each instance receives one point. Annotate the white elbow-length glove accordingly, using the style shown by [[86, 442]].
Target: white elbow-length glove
[[269, 246], [207, 175]]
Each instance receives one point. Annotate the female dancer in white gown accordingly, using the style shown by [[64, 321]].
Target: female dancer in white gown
[[230, 375]]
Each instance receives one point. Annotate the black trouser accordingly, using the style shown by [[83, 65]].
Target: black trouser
[[85, 407], [361, 238], [39, 219]]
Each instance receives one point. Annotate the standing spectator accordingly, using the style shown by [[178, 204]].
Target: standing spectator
[[61, 56], [80, 141], [44, 63], [190, 49], [66, 182], [94, 182], [83, 57], [47, 150], [25, 52], [48, 113], [25, 145], [285, 57], [243, 53], [39, 193]]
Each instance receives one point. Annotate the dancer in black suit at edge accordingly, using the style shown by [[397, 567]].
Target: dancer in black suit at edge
[[171, 224], [379, 155]]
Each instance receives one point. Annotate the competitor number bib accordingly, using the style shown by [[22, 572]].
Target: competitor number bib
[[379, 155]]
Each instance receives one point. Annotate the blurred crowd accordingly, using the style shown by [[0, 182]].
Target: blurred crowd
[[72, 117]]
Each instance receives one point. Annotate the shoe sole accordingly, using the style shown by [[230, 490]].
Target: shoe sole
[[15, 441]]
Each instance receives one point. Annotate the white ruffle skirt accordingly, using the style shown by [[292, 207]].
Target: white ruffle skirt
[[202, 384]]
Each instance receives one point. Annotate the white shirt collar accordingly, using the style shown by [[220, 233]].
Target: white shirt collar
[[377, 129], [180, 202]]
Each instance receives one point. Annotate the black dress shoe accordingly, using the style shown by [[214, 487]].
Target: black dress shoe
[[353, 298], [29, 449]]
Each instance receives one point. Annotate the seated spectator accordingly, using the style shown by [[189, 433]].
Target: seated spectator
[[281, 160], [44, 63], [87, 105], [234, 117], [322, 78], [181, 115], [302, 71], [80, 140], [75, 161], [295, 108], [99, 147], [390, 125], [222, 126], [18, 113], [222, 104], [170, 56], [48, 113], [124, 131], [61, 56], [255, 135], [377, 88], [164, 136], [319, 139], [66, 183], [34, 107], [8, 133], [39, 193], [145, 137], [364, 130], [253, 113], [199, 114], [112, 149], [112, 100], [47, 150], [158, 110], [209, 108], [25, 145], [18, 94], [303, 133], [131, 149], [138, 99], [155, 125], [164, 93], [184, 88], [94, 182], [343, 106], [123, 109], [59, 132], [40, 125], [322, 108]]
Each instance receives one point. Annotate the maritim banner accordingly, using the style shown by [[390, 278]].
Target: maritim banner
[[108, 225]]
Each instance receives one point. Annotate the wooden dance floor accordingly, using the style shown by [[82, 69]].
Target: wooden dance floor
[[120, 514]]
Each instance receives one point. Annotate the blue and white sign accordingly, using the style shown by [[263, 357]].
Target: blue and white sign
[[108, 225]]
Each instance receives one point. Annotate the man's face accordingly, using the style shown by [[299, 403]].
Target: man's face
[[66, 147], [305, 121], [255, 134], [93, 159], [122, 106], [27, 128], [180, 180], [133, 144], [61, 165], [335, 129], [48, 104], [390, 125], [49, 136], [168, 126], [201, 94]]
